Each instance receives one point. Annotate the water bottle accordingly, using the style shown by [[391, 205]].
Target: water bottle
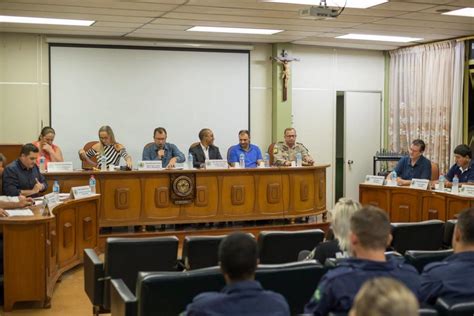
[[242, 160], [299, 160], [92, 183], [103, 163], [42, 164], [455, 187], [190, 161], [267, 160], [441, 181], [393, 177], [56, 188]]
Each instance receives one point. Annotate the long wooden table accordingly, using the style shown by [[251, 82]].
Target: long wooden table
[[145, 197], [412, 205], [38, 249]]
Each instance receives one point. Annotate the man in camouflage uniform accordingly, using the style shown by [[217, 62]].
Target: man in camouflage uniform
[[285, 152]]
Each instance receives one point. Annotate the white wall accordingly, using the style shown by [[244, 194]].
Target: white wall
[[316, 78]]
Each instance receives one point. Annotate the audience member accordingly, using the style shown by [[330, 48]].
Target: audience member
[[285, 152], [168, 153], [453, 278], [413, 166], [238, 259], [3, 162], [22, 176], [384, 297], [205, 149], [47, 149], [369, 236], [464, 166], [251, 152]]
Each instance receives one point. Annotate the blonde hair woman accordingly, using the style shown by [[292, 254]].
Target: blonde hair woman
[[384, 297], [340, 218], [109, 148]]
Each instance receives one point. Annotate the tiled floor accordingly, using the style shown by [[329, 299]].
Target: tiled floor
[[69, 299]]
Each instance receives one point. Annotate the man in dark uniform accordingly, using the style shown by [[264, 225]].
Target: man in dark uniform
[[242, 295], [464, 166], [369, 237], [453, 278]]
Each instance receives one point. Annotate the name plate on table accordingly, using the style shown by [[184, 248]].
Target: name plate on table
[[467, 190], [60, 166], [419, 184], [81, 192], [150, 165], [217, 164], [375, 180], [52, 199]]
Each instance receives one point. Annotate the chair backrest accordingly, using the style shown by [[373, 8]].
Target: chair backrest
[[149, 144], [284, 246], [420, 258], [455, 307], [427, 235], [194, 144], [270, 153], [201, 251], [125, 257], [434, 171], [448, 233], [296, 281], [168, 293], [85, 164]]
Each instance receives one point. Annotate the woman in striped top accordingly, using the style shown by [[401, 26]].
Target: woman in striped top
[[109, 148]]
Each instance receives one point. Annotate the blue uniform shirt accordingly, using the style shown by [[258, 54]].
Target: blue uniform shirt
[[16, 178], [240, 298], [451, 278], [171, 151], [464, 176], [338, 287], [421, 169], [251, 156]]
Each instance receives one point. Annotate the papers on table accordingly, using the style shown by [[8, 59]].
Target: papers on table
[[19, 212]]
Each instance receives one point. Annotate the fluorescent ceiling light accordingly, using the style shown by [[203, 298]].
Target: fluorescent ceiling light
[[358, 4], [31, 20], [382, 38], [232, 30], [462, 12]]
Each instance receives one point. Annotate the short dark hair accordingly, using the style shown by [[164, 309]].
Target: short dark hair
[[372, 226], [463, 150], [244, 131], [203, 133], [465, 225], [28, 148], [160, 130], [420, 143], [238, 256]]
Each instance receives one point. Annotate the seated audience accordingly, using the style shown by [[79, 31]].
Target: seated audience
[[242, 295], [340, 223], [369, 237], [285, 152], [413, 166], [464, 166], [205, 150], [253, 155], [168, 153], [47, 149], [3, 162], [384, 297], [453, 278], [22, 176], [107, 147]]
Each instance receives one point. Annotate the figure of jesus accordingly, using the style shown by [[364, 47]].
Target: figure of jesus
[[284, 60]]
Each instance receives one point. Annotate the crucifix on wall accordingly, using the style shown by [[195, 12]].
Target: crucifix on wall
[[284, 60]]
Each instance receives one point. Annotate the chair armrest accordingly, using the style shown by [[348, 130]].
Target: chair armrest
[[122, 300], [93, 277]]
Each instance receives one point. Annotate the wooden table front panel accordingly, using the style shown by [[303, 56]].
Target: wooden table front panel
[[66, 221], [237, 195], [376, 196], [405, 206], [121, 199], [455, 205], [206, 200], [433, 207], [269, 193], [156, 199], [302, 197]]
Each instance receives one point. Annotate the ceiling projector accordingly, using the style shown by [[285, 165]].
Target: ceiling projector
[[321, 11]]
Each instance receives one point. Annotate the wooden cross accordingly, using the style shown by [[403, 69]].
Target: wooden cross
[[284, 60]]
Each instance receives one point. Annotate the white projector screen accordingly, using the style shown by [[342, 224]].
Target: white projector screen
[[136, 90]]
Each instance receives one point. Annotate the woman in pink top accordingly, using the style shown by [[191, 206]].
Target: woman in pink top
[[47, 149]]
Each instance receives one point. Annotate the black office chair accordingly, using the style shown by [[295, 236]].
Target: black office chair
[[420, 258], [452, 307], [427, 235], [448, 233], [201, 251], [284, 246], [123, 259]]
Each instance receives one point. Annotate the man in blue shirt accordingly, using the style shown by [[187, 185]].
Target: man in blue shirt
[[242, 295], [413, 166], [253, 155], [369, 237], [453, 278], [168, 153], [22, 176], [463, 168]]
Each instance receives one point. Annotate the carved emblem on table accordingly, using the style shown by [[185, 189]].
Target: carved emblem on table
[[183, 188]]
